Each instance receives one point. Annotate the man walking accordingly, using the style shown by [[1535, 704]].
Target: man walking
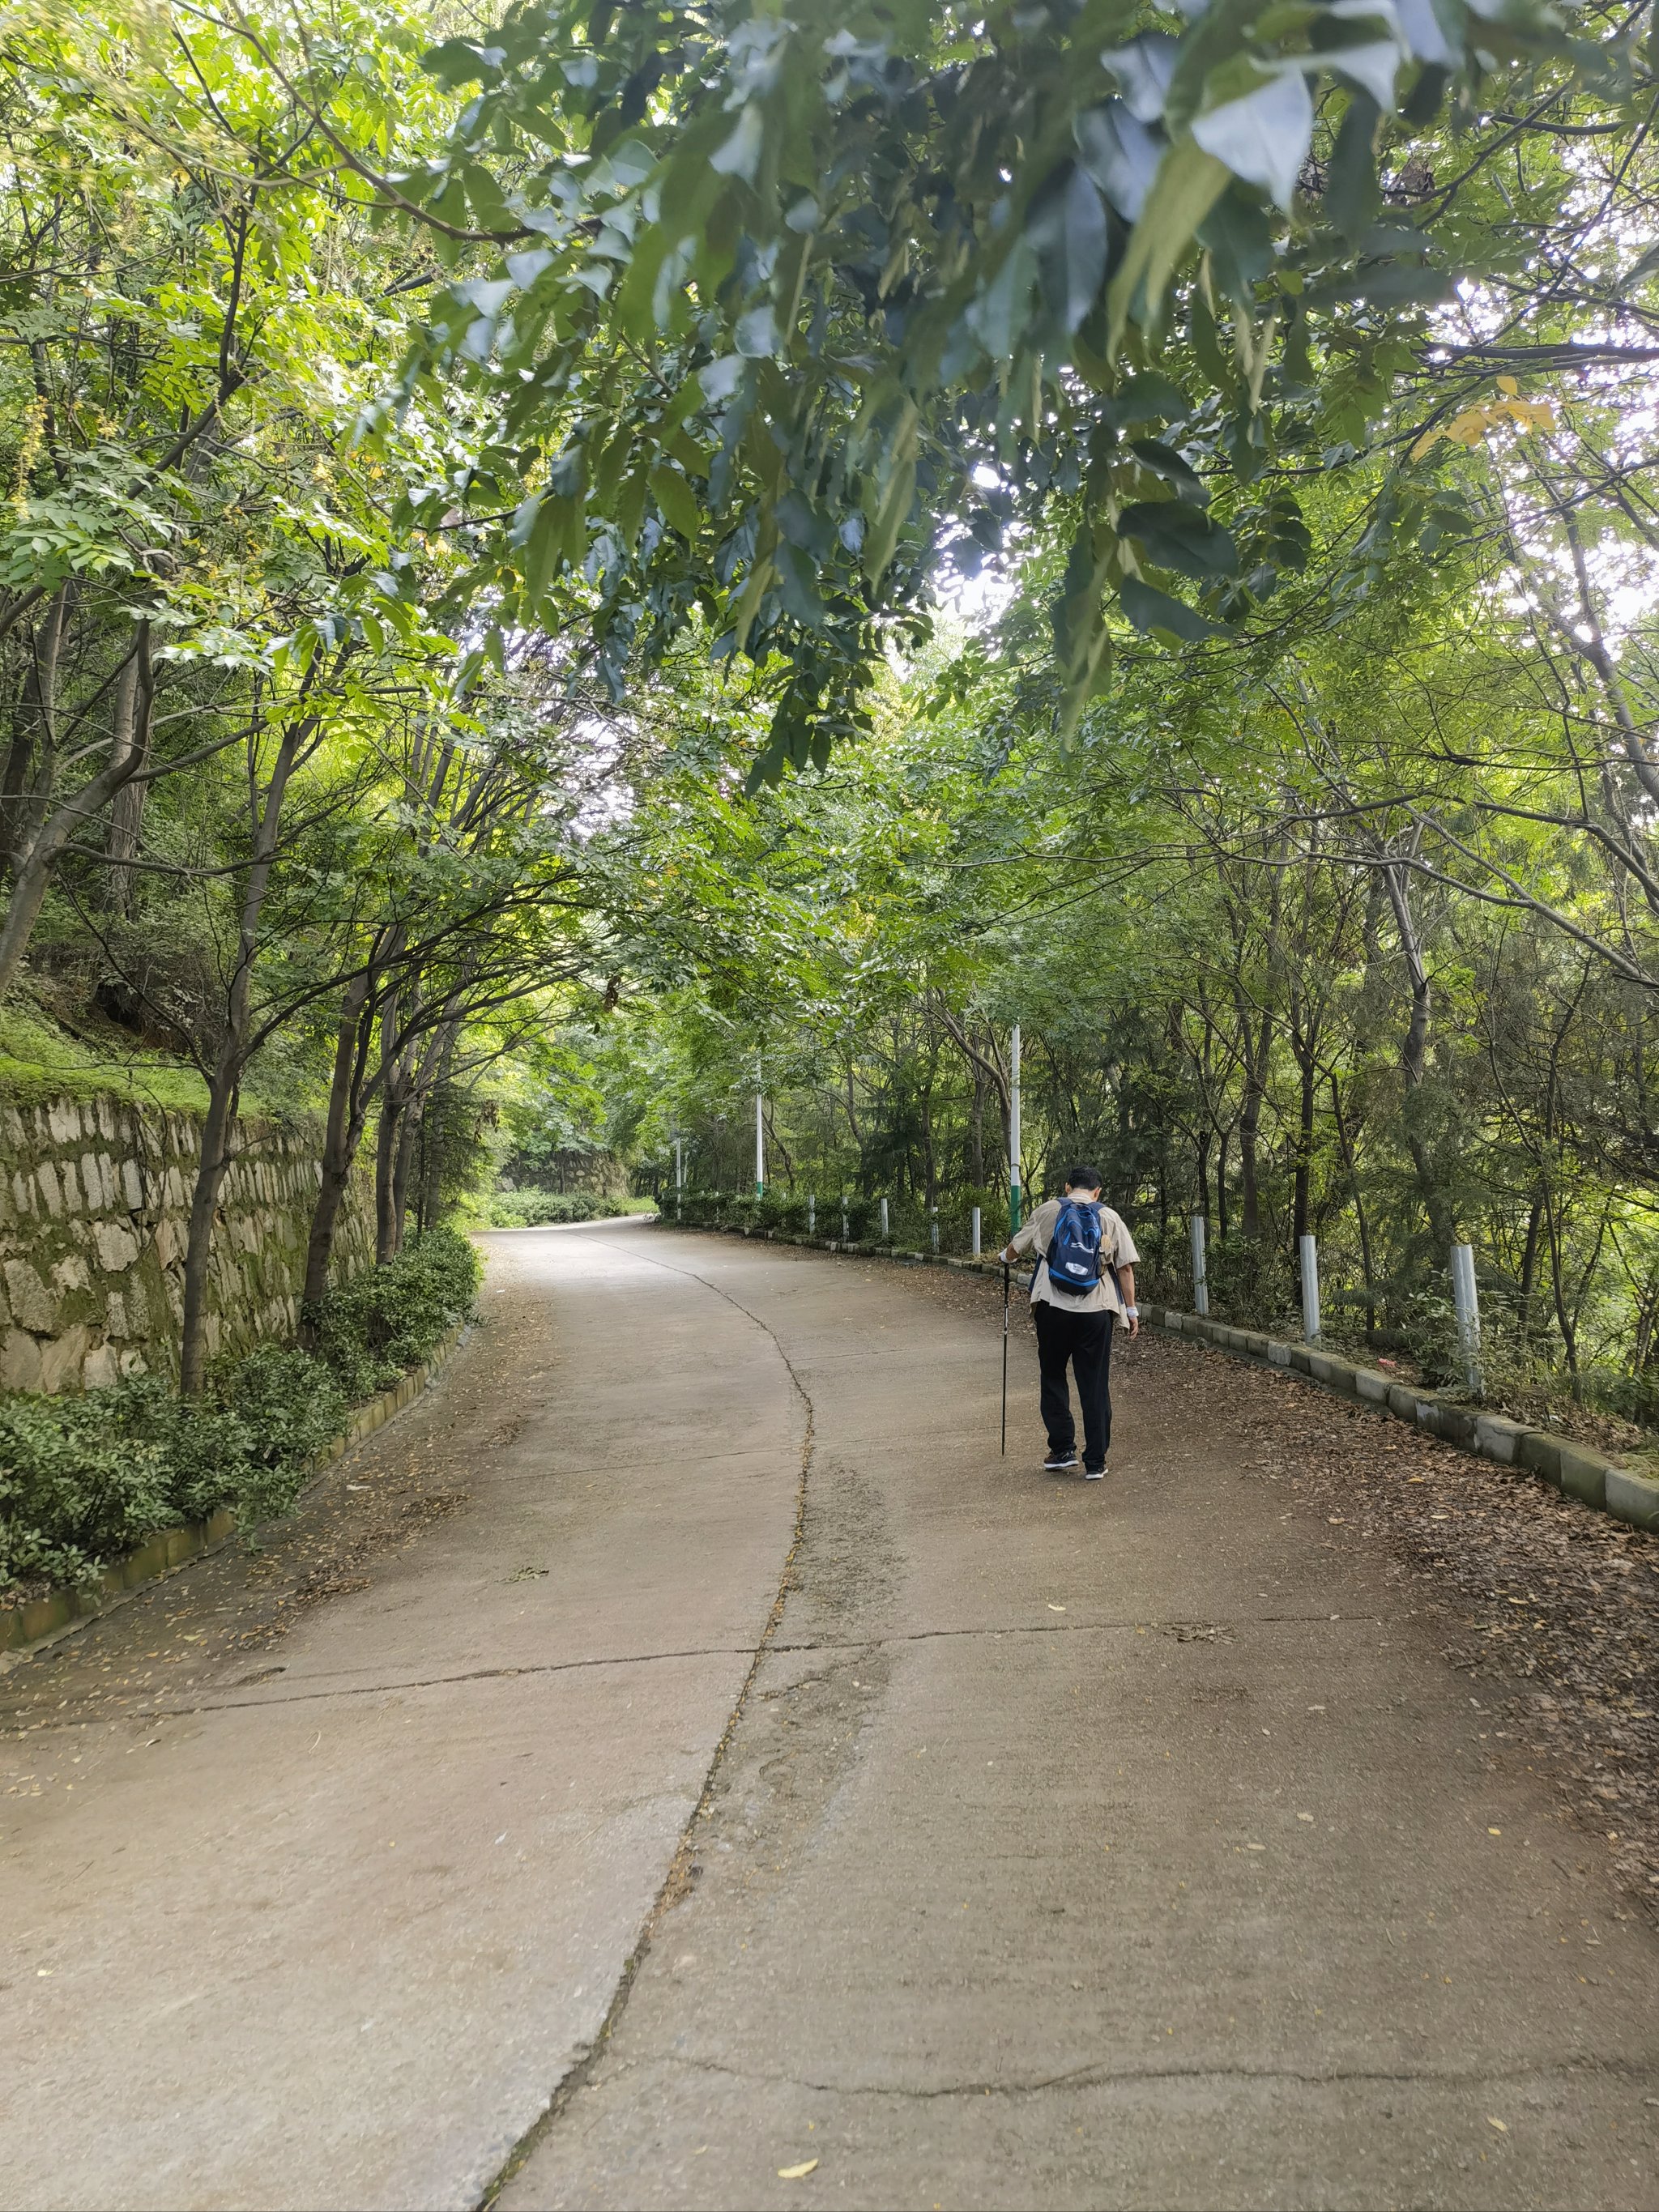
[[1084, 1280]]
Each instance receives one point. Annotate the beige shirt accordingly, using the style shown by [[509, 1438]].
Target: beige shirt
[[1117, 1249]]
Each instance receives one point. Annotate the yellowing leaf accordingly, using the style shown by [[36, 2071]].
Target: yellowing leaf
[[796, 2173], [1508, 386], [1498, 2124]]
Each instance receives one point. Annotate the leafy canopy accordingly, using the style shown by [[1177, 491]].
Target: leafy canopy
[[777, 312]]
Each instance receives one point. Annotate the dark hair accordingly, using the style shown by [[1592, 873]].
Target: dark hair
[[1082, 1179]]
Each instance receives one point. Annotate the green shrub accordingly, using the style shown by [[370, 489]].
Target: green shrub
[[84, 1479], [291, 1407], [537, 1209], [206, 1450], [394, 1317], [74, 1489]]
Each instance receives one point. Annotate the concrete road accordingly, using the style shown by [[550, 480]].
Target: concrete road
[[1117, 1845]]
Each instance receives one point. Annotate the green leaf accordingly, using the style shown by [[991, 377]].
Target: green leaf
[[1189, 182], [1178, 473], [997, 316], [678, 502], [1264, 136], [1149, 608], [1120, 154], [739, 154], [1240, 240], [1352, 193], [1068, 230], [1179, 536]]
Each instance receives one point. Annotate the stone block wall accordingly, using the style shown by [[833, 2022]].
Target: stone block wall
[[94, 1209]]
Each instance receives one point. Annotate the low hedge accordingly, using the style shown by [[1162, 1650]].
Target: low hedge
[[539, 1209], [84, 1479]]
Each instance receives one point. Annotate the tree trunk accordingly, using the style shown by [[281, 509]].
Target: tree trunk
[[1304, 1136], [1351, 1164], [1529, 1263], [1249, 1118], [347, 1114], [224, 1086], [1413, 1062], [388, 1137], [1221, 1186], [30, 762], [40, 846], [134, 699], [414, 1118]]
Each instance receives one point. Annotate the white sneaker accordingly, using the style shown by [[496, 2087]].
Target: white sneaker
[[1094, 1474]]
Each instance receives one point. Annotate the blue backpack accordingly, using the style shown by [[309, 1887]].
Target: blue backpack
[[1073, 1254]]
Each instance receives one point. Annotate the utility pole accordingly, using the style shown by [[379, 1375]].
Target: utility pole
[[1013, 1131], [760, 1134]]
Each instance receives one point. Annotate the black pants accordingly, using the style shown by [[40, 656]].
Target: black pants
[[1082, 1341]]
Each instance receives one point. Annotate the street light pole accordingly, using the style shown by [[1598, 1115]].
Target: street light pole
[[760, 1134]]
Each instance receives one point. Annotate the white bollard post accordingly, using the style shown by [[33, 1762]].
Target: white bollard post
[[845, 1237], [1310, 1290], [812, 1213], [1466, 1300], [680, 1180], [976, 1233], [884, 1232], [1200, 1278], [932, 1226]]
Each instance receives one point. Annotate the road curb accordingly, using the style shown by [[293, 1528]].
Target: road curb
[[1571, 1469], [28, 1628]]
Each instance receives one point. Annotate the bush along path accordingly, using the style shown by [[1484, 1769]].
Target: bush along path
[[86, 1479]]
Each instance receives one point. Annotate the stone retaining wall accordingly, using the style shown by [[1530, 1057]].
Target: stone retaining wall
[[95, 1208]]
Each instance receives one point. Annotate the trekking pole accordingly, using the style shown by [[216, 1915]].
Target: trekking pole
[[1005, 1360]]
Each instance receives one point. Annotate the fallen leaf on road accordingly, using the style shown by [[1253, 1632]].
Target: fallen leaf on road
[[1498, 2124], [1053, 1608], [796, 2173], [1494, 1831], [1304, 1816]]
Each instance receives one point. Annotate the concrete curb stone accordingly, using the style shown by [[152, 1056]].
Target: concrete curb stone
[[25, 1629], [1632, 1498]]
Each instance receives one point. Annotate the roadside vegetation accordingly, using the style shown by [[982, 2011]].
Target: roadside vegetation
[[83, 1477]]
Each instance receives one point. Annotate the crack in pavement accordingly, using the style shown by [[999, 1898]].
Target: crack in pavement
[[1101, 2075], [719, 1651], [677, 1879], [386, 1688]]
